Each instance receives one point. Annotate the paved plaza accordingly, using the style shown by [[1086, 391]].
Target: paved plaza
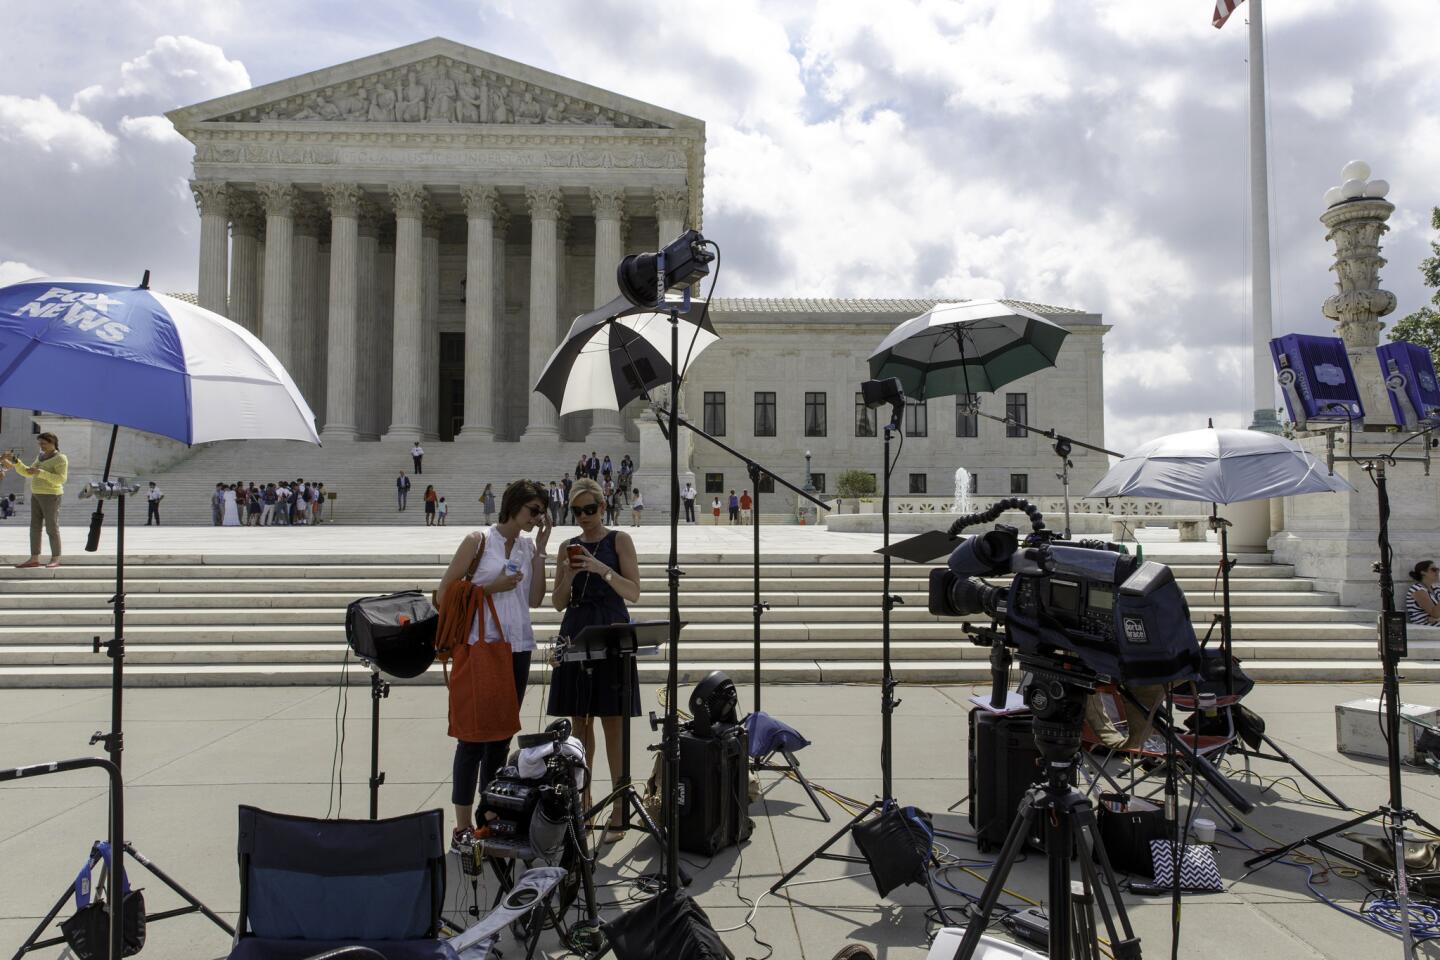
[[193, 755]]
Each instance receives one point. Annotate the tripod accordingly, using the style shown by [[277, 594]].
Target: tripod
[[1057, 703], [886, 801], [114, 741], [622, 642], [1393, 814]]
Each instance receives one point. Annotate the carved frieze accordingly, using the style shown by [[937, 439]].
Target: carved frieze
[[438, 90], [458, 154]]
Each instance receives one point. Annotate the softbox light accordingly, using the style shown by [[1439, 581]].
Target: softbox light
[[395, 633]]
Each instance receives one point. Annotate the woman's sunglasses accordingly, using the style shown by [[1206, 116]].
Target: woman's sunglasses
[[589, 511]]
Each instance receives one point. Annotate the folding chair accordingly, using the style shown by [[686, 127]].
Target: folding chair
[[1144, 761], [309, 887], [767, 737]]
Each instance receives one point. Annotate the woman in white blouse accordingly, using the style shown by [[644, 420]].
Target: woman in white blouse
[[512, 571]]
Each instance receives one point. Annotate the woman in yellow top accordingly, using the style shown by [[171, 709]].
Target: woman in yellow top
[[47, 484]]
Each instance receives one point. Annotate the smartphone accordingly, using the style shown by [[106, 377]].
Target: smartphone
[[577, 553]]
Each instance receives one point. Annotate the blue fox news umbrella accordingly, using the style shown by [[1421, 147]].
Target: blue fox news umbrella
[[128, 356]]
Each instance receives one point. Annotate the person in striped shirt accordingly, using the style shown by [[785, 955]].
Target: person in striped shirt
[[1422, 600]]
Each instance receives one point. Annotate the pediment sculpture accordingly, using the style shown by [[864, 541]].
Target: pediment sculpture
[[438, 90]]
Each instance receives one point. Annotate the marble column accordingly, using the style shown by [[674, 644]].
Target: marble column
[[672, 209], [496, 363], [407, 390], [372, 345], [609, 204], [260, 269], [342, 340], [211, 198], [321, 327], [304, 296], [277, 310], [245, 226], [481, 203], [546, 205], [430, 325], [572, 426]]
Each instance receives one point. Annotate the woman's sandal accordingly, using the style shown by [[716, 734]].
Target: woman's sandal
[[27, 565]]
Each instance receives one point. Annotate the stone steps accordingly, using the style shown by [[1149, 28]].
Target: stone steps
[[230, 618], [137, 600]]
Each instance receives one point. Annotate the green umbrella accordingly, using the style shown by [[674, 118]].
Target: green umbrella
[[974, 346]]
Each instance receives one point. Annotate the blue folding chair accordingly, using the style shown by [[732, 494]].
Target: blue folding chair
[[353, 889]]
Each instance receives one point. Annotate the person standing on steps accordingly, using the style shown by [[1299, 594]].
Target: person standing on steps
[[510, 576], [745, 504], [637, 507], [566, 485], [402, 490], [734, 508], [431, 500], [596, 574], [217, 505], [688, 496], [555, 504], [442, 510], [152, 504], [47, 486], [487, 501], [715, 509], [417, 454]]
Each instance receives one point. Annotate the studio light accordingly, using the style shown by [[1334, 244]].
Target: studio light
[[877, 393], [713, 705], [687, 259]]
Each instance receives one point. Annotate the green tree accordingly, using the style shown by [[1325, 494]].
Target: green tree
[[855, 483], [1423, 326]]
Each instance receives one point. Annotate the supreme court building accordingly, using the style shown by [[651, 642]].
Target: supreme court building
[[411, 233]]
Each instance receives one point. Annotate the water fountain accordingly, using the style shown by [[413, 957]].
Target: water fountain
[[962, 491]]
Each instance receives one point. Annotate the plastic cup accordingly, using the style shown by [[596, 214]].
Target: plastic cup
[[1204, 830]]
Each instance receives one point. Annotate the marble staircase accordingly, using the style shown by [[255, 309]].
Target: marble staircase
[[204, 620], [362, 477]]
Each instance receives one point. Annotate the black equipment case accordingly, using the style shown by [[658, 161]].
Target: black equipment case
[[714, 791], [1003, 764]]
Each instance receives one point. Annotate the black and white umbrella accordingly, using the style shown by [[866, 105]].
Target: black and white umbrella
[[618, 352], [973, 346]]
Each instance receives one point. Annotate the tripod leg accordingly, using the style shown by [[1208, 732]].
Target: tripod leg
[[1287, 759], [30, 941], [1274, 855], [180, 891], [1087, 834], [821, 850], [809, 790], [980, 914]]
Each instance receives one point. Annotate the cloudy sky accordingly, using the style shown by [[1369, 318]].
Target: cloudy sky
[[1090, 153]]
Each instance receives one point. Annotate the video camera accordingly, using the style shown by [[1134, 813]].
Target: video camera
[[1081, 605]]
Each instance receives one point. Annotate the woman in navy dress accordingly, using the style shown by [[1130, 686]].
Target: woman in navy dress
[[592, 589]]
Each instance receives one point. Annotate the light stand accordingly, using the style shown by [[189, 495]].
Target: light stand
[[379, 690], [1229, 701], [1393, 645], [886, 801], [114, 741]]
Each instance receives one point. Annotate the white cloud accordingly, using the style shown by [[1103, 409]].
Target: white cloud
[[41, 122], [173, 72], [155, 128], [13, 271]]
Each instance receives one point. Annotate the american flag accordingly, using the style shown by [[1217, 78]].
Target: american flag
[[1223, 9]]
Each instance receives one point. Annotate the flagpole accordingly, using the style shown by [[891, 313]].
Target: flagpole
[[1261, 325]]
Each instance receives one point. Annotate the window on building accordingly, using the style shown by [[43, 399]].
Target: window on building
[[974, 483], [917, 483], [864, 418], [1019, 483], [766, 483], [1017, 408], [817, 480], [714, 483], [765, 414], [917, 420], [814, 414], [966, 424], [715, 413]]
